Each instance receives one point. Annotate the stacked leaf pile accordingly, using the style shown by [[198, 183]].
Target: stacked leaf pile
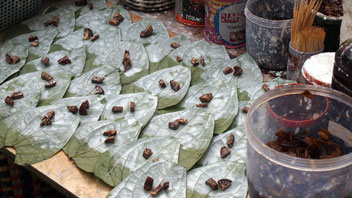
[[127, 103]]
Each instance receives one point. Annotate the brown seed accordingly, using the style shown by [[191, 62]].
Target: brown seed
[[50, 84], [174, 125], [46, 76], [8, 59], [175, 85], [147, 153], [238, 70], [166, 185], [245, 109], [182, 121], [224, 183], [86, 104], [90, 6], [206, 97], [9, 101], [110, 132], [117, 109], [35, 43], [97, 79], [83, 108], [32, 37], [64, 60], [15, 59], [98, 90], [156, 190], [48, 22], [162, 83], [16, 95], [114, 22], [224, 151], [94, 38], [55, 21], [132, 106], [212, 184], [178, 59], [266, 87], [194, 61], [148, 31], [87, 33], [127, 63], [73, 109], [228, 70], [45, 122], [81, 2], [155, 160], [49, 115], [148, 184], [118, 16], [203, 105], [45, 61], [202, 60], [230, 140], [110, 139], [175, 45]]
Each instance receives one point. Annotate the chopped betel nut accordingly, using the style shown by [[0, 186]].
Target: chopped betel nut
[[87, 33], [132, 106], [94, 38], [53, 21], [182, 121], [178, 59], [175, 45], [162, 83], [228, 70], [127, 63], [97, 79], [238, 70], [64, 60], [15, 59], [203, 105], [324, 134], [110, 139], [50, 84], [224, 151], [147, 153], [148, 184], [202, 60], [230, 140], [117, 109], [9, 101], [49, 115], [245, 109], [212, 184], [46, 122], [98, 90], [81, 2], [266, 87], [206, 97], [114, 22], [118, 16], [73, 109], [155, 160], [174, 85], [83, 108], [16, 95], [307, 94], [45, 61], [194, 61], [90, 6], [174, 125], [224, 183], [166, 185], [32, 37], [156, 190], [8, 59], [110, 132], [35, 43], [46, 76], [148, 31]]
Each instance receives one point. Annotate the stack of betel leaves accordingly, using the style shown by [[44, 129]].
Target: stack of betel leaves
[[148, 114]]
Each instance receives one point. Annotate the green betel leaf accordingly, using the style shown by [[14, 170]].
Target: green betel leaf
[[158, 51], [236, 172], [139, 59], [166, 96], [36, 143], [145, 106], [119, 162], [96, 107], [161, 172], [6, 69], [77, 57], [133, 32], [170, 59], [65, 25], [83, 85], [238, 149], [224, 104], [194, 136], [87, 144]]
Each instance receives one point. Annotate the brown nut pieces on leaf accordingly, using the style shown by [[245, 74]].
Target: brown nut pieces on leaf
[[46, 76], [155, 160], [175, 45], [98, 90], [178, 59], [50, 84], [73, 109], [147, 153], [53, 21], [90, 6], [114, 22], [206, 97], [9, 101], [83, 108], [45, 61], [132, 106], [174, 125], [12, 60], [32, 37], [202, 62], [212, 184], [110, 132], [148, 184], [202, 105], [194, 62], [49, 115], [8, 59], [175, 85], [224, 152], [118, 16], [87, 33], [35, 43], [156, 190], [148, 31], [266, 87], [97, 79], [117, 109], [162, 83], [166, 185], [228, 70], [94, 38], [110, 140], [224, 183], [245, 109], [81, 2], [230, 140], [127, 63], [64, 60], [238, 71], [46, 122], [16, 95]]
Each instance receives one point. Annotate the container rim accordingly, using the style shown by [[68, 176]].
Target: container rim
[[312, 165]]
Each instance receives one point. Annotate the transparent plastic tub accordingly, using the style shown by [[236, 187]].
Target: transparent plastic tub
[[274, 174]]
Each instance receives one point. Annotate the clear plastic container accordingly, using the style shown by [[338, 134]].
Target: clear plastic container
[[268, 32], [274, 174]]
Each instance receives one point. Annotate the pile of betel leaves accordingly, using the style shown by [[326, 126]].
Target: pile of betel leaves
[[148, 114]]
